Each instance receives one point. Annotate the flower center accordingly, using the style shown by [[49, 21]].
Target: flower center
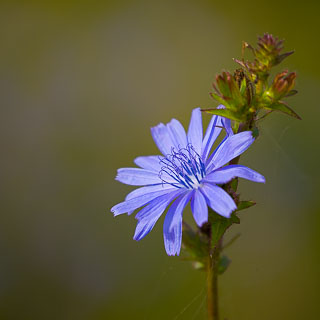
[[183, 168]]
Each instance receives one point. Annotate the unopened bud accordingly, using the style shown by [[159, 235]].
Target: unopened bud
[[282, 84]]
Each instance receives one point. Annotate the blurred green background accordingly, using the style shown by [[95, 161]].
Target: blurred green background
[[81, 84]]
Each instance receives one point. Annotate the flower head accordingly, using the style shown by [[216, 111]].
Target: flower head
[[186, 171]]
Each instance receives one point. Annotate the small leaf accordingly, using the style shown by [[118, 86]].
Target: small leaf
[[234, 219], [219, 226], [291, 93], [195, 243], [245, 204], [234, 184], [281, 57], [224, 85], [224, 263], [218, 229], [219, 99], [243, 86], [224, 113], [282, 107], [255, 132]]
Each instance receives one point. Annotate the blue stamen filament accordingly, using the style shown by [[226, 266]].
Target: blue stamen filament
[[184, 166]]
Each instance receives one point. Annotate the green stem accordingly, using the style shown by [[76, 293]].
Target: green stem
[[214, 254], [212, 283]]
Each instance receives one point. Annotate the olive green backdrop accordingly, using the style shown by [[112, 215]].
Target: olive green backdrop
[[81, 84]]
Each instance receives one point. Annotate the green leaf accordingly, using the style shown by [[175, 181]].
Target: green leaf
[[282, 57], [224, 263], [219, 99], [234, 184], [219, 226], [195, 243], [255, 132], [224, 113], [224, 84], [234, 219], [291, 93], [282, 107], [243, 86], [245, 204]]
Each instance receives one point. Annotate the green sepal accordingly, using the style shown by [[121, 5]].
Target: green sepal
[[224, 113], [224, 263], [245, 205], [282, 107]]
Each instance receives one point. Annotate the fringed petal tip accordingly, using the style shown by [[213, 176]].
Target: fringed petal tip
[[115, 211], [173, 253], [172, 226]]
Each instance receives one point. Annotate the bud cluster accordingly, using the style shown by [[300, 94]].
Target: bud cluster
[[247, 93], [267, 55]]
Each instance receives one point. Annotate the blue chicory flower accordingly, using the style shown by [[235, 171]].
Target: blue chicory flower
[[186, 171]]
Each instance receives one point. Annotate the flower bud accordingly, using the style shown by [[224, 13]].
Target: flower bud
[[267, 55], [283, 84]]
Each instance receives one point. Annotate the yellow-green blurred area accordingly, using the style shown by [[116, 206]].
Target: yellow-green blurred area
[[81, 84]]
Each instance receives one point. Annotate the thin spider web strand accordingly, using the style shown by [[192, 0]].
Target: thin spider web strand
[[190, 303]]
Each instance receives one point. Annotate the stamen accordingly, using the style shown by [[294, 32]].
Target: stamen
[[182, 168]]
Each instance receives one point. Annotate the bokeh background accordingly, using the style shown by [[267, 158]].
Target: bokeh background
[[81, 84]]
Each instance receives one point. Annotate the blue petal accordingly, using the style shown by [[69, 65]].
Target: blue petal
[[226, 123], [227, 173], [139, 201], [150, 214], [213, 131], [232, 147], [138, 177], [144, 226], [172, 226], [162, 138], [214, 128], [218, 199], [148, 189], [151, 163], [195, 132], [177, 133], [199, 208]]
